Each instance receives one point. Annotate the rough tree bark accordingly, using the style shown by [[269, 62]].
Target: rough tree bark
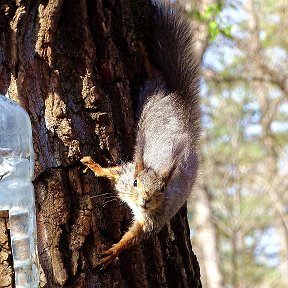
[[75, 67]]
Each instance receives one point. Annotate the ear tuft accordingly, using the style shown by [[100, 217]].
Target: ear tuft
[[138, 168], [167, 174]]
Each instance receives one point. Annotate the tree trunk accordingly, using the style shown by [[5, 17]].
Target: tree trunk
[[75, 67], [205, 232]]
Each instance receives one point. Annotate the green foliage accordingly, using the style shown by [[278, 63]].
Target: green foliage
[[211, 12], [211, 16]]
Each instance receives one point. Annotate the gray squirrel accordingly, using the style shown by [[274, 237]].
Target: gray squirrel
[[160, 178]]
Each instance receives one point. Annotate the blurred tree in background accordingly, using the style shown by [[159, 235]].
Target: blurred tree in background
[[239, 211]]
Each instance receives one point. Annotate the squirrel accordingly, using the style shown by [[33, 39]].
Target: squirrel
[[160, 178]]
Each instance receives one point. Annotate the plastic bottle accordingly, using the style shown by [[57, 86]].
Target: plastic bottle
[[16, 190]]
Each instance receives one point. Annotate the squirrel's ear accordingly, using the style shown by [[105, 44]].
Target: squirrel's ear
[[138, 168], [167, 174]]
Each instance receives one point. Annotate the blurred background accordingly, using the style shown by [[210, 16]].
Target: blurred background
[[238, 210]]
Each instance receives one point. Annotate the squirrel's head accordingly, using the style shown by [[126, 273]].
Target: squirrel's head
[[148, 189], [143, 188]]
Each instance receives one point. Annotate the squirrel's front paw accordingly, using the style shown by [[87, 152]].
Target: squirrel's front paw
[[87, 160], [95, 167], [108, 257]]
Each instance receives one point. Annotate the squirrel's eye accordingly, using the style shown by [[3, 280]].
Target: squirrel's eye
[[135, 183]]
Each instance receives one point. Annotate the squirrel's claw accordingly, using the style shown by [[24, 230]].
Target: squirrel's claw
[[109, 257], [85, 170]]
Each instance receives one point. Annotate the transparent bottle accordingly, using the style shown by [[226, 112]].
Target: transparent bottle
[[16, 190]]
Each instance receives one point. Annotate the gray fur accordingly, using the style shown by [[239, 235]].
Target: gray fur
[[169, 126]]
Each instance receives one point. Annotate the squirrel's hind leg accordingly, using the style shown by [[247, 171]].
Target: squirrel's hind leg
[[129, 239]]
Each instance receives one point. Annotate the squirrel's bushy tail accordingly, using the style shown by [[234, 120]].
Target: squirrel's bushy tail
[[173, 54]]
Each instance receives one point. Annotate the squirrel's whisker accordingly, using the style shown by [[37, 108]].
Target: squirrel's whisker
[[109, 202], [104, 196]]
